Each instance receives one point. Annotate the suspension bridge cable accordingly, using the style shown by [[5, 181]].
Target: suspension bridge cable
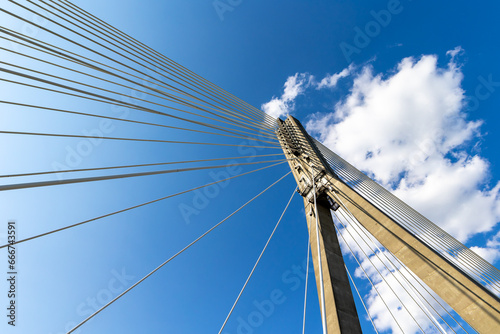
[[114, 101], [404, 208], [124, 104], [77, 61], [351, 219], [128, 139], [74, 58], [128, 47], [441, 246], [164, 96], [371, 282], [415, 278], [307, 277], [436, 243], [256, 263], [354, 238], [134, 121], [151, 53], [133, 166], [442, 243], [174, 256], [83, 46], [135, 206], [107, 90], [140, 45], [53, 83], [121, 176]]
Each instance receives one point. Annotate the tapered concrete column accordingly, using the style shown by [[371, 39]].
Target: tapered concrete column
[[341, 314]]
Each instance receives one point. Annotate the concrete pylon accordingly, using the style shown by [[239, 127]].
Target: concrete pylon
[[476, 305], [340, 309]]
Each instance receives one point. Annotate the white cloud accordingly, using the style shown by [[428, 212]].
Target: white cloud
[[294, 86], [491, 252], [330, 81], [456, 51], [411, 124]]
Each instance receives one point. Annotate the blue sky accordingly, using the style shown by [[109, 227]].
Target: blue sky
[[436, 64]]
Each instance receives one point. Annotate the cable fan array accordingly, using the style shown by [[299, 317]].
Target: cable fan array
[[77, 69], [80, 68]]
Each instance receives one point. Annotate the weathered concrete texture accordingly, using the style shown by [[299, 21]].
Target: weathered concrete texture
[[342, 316]]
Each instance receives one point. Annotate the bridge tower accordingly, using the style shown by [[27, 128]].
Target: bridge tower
[[323, 191]]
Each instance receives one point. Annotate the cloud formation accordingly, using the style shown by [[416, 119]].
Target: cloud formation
[[408, 130], [330, 81], [294, 86]]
